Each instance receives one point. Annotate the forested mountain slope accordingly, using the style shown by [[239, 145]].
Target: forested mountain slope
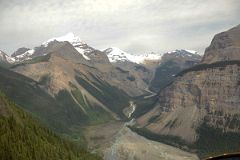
[[23, 138]]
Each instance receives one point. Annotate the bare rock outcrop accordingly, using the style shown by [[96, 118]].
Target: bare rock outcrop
[[225, 46]]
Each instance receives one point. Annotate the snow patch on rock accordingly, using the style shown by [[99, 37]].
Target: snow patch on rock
[[117, 55]]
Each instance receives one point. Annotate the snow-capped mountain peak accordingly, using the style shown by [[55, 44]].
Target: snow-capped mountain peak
[[26, 55], [191, 51], [184, 53], [70, 37], [76, 42], [117, 55]]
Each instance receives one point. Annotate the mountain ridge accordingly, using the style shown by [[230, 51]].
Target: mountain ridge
[[201, 102]]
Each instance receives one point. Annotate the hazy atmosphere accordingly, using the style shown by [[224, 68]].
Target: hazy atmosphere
[[119, 79], [136, 26]]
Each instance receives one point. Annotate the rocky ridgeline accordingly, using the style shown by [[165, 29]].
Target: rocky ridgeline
[[204, 96]]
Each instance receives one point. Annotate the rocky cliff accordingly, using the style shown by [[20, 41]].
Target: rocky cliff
[[224, 47], [170, 64], [210, 95], [204, 96]]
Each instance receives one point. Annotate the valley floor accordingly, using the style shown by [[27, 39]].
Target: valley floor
[[115, 141]]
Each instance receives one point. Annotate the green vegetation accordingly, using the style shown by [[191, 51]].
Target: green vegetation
[[62, 113], [44, 58], [52, 112], [211, 142], [167, 139], [143, 105], [26, 93], [69, 110], [44, 80], [5, 64], [95, 113], [23, 138], [114, 98], [221, 65]]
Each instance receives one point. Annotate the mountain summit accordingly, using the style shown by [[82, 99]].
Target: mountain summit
[[224, 47], [23, 54], [69, 37], [117, 55]]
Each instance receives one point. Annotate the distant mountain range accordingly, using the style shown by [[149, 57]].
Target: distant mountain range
[[144, 68], [99, 84], [114, 54], [176, 97], [117, 55]]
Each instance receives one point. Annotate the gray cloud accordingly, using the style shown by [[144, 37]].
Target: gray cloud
[[136, 26]]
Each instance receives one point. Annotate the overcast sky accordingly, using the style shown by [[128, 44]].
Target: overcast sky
[[136, 26]]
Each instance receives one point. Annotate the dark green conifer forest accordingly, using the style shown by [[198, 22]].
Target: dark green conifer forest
[[23, 138]]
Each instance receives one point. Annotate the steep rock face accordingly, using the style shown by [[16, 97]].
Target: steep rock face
[[171, 64], [64, 50], [137, 73], [224, 46], [200, 105], [140, 67], [20, 51], [184, 58], [99, 60], [210, 96]]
